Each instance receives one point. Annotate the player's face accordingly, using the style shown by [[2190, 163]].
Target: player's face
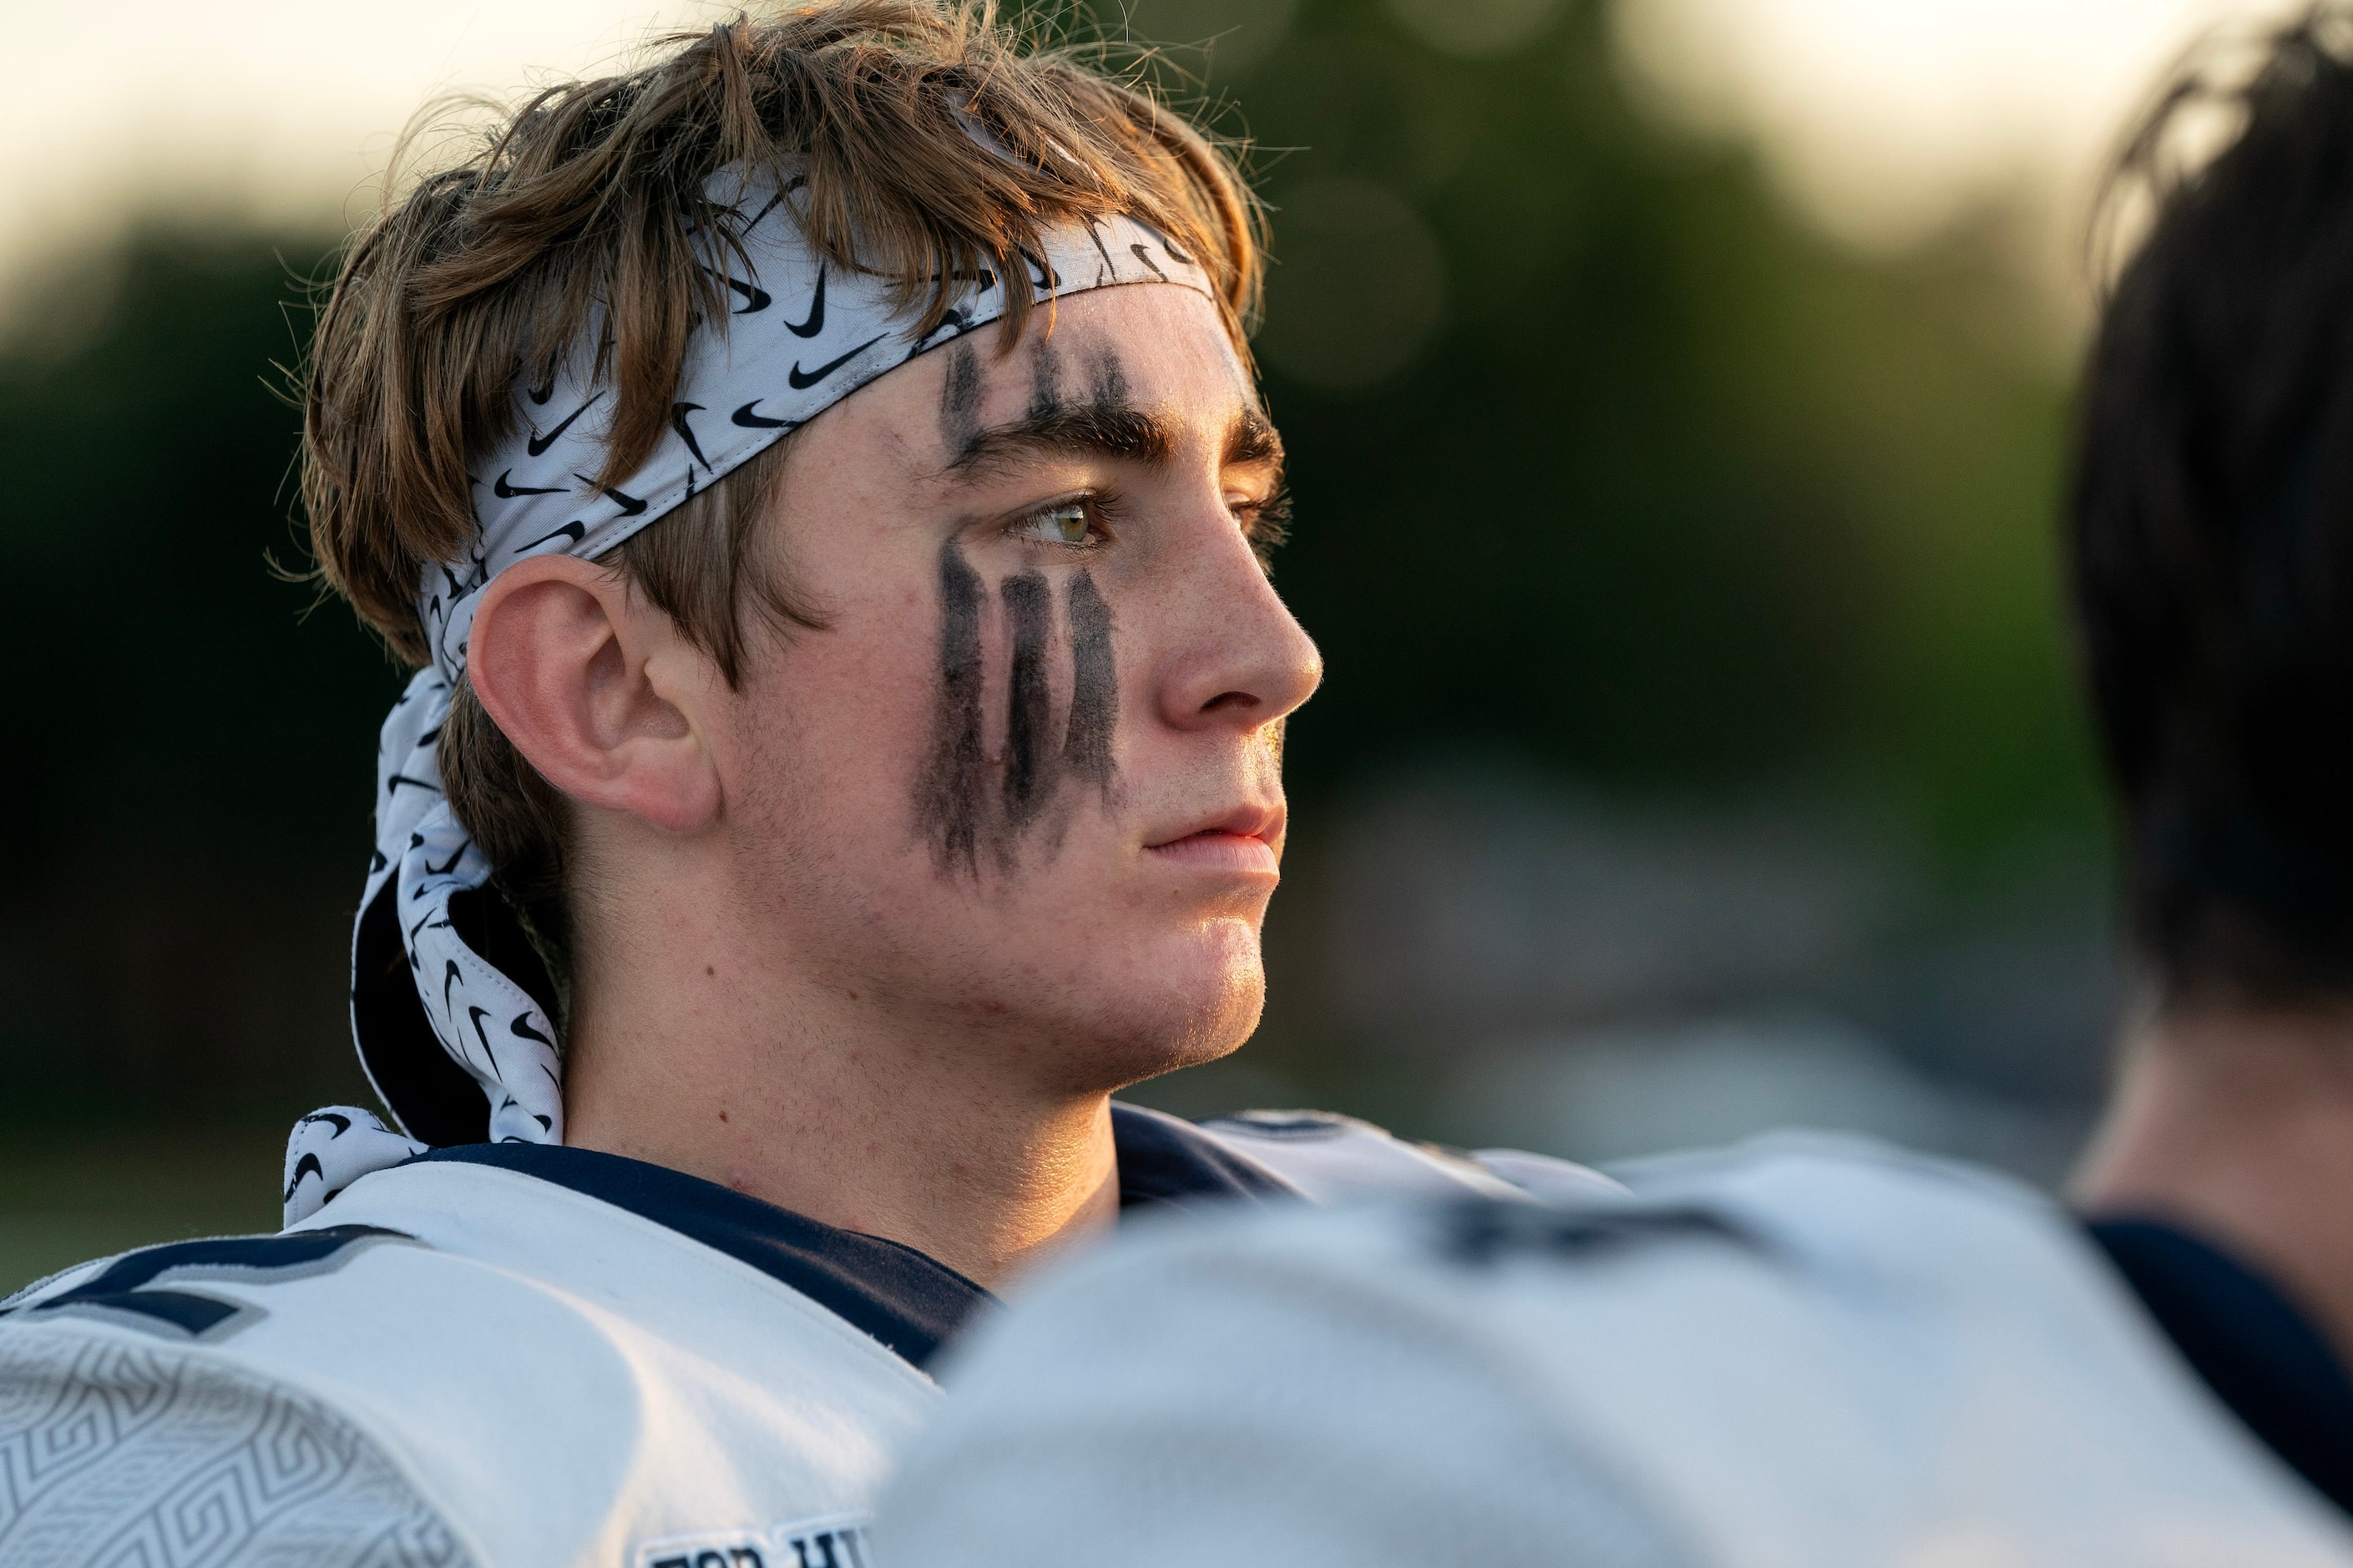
[[1028, 778]]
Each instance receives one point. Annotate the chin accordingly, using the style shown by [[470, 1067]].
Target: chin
[[1202, 1010]]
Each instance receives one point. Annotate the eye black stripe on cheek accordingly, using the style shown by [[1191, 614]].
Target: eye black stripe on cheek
[[948, 802], [1094, 687], [1029, 609]]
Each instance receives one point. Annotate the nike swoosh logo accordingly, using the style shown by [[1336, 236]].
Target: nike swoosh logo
[[765, 211], [802, 380], [1041, 273], [539, 443], [815, 321], [447, 867], [1145, 257], [475, 1016], [541, 394], [750, 421], [506, 491], [678, 413], [756, 299], [955, 322], [571, 531], [630, 505], [521, 1027]]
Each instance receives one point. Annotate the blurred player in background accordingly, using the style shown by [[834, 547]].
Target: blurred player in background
[[1809, 1353], [821, 480]]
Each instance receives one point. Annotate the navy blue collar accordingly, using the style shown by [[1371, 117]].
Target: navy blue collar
[[904, 1299], [2251, 1345], [1165, 1162]]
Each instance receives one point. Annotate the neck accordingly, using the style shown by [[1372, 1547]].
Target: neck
[[814, 1098], [2239, 1125]]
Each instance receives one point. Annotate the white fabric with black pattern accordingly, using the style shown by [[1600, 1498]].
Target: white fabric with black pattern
[[451, 1009]]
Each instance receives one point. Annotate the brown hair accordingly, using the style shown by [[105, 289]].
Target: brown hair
[[587, 197]]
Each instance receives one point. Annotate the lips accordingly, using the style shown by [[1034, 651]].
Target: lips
[[1242, 841]]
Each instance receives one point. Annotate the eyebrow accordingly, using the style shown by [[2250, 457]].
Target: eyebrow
[[1106, 430], [1251, 439], [1084, 430]]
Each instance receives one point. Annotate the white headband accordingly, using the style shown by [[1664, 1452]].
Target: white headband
[[451, 1009]]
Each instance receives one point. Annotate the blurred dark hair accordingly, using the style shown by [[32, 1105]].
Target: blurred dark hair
[[2211, 539]]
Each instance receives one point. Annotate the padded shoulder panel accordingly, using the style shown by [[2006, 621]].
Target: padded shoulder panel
[[115, 1452]]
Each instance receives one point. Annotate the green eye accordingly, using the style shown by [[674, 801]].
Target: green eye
[[1065, 523]]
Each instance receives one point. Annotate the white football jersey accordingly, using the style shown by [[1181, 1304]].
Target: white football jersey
[[1805, 1355], [522, 1355]]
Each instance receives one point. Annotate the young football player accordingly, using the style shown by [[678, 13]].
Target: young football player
[[821, 480], [1808, 1352]]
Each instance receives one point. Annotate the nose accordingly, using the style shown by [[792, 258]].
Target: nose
[[1245, 660]]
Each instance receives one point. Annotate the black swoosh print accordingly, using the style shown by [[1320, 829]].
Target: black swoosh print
[[750, 421], [475, 1015], [955, 322], [571, 531], [630, 505], [1145, 257], [802, 380], [539, 443], [814, 322], [521, 1028], [678, 413], [1041, 272], [765, 211], [755, 298], [541, 394], [506, 491]]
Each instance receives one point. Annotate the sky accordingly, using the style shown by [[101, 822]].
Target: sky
[[1878, 117], [1883, 119]]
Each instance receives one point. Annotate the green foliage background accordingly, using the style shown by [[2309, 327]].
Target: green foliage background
[[1672, 495]]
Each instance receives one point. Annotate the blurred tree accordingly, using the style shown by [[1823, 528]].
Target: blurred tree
[[192, 780], [1604, 460], [1601, 460]]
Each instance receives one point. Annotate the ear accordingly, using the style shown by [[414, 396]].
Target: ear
[[598, 689]]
